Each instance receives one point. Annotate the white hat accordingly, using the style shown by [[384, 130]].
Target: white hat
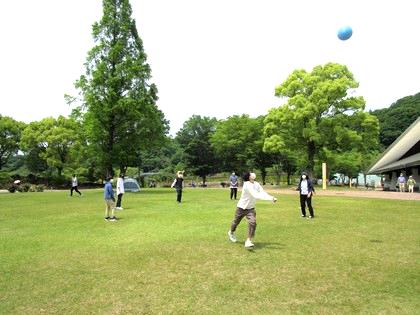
[[16, 181]]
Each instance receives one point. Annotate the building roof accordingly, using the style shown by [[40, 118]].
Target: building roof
[[403, 152]]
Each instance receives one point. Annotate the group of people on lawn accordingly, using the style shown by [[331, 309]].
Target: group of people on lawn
[[251, 192]]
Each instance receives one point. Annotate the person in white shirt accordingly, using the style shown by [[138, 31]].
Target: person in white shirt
[[74, 184], [306, 190], [120, 191], [251, 191], [178, 184]]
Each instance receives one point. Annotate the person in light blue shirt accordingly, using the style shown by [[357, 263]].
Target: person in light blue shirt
[[401, 182]]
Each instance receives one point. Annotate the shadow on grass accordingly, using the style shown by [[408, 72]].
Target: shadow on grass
[[266, 245]]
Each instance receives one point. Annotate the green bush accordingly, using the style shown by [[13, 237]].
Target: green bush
[[5, 179], [32, 188], [24, 187], [40, 188]]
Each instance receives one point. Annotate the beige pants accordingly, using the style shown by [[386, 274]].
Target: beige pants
[[250, 215], [411, 188], [401, 186], [109, 209]]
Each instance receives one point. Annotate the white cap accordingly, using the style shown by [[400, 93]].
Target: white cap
[[16, 181]]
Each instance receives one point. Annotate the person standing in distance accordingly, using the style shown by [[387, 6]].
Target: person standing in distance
[[251, 191], [410, 183], [233, 185], [401, 183], [109, 200], [74, 184], [120, 191], [306, 190], [178, 184]]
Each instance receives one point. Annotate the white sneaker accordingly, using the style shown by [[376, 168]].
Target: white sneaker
[[249, 244], [232, 237], [119, 208]]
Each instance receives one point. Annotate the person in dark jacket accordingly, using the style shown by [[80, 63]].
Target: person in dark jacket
[[306, 190], [178, 184]]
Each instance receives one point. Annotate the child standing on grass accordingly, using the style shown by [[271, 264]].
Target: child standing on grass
[[251, 191], [109, 200]]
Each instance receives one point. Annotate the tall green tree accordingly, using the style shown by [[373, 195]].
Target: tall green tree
[[237, 143], [393, 121], [54, 141], [320, 114], [10, 132], [194, 139], [262, 159], [119, 102]]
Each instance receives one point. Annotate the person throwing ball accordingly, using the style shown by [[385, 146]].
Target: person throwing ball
[[251, 191]]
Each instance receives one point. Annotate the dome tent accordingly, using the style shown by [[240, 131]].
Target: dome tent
[[131, 185]]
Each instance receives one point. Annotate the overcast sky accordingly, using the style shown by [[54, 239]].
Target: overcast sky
[[211, 57]]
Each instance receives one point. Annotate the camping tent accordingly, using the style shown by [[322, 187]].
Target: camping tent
[[131, 185]]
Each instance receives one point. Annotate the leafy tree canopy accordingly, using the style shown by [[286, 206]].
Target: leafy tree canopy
[[320, 113], [237, 142], [54, 141], [10, 132], [393, 121], [194, 138]]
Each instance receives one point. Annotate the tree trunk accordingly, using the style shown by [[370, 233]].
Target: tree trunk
[[204, 179], [277, 172], [109, 151], [311, 157], [59, 171], [288, 177], [123, 169], [263, 175]]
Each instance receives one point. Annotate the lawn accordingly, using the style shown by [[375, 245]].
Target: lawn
[[59, 256]]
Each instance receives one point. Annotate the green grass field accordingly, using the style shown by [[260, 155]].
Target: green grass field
[[59, 256]]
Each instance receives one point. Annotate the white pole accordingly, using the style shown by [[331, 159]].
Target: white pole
[[324, 176]]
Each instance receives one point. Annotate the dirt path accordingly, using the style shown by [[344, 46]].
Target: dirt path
[[355, 193]]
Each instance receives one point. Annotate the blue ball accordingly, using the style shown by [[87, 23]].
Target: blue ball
[[345, 33]]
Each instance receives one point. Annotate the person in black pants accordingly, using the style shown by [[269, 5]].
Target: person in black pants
[[178, 184], [74, 184], [233, 185], [306, 190]]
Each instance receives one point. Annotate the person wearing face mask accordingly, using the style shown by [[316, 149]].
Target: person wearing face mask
[[306, 190], [178, 184], [109, 200], [251, 191]]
